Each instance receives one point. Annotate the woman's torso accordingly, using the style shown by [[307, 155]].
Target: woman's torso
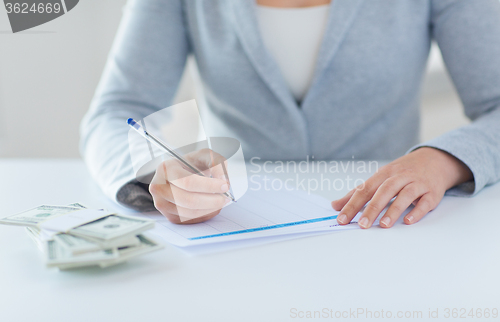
[[364, 93]]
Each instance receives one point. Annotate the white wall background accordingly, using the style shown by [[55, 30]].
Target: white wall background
[[48, 76]]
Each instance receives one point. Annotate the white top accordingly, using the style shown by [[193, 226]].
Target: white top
[[293, 36]]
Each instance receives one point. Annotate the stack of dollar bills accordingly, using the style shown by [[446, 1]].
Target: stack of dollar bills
[[104, 242]]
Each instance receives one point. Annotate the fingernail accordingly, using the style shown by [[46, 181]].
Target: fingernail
[[363, 222], [224, 187], [410, 219], [386, 221], [342, 219]]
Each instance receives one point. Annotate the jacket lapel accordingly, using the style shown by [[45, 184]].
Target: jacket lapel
[[341, 16], [246, 25]]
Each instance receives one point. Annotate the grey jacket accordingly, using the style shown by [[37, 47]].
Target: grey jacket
[[363, 101]]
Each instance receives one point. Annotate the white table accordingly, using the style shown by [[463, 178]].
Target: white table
[[448, 260]]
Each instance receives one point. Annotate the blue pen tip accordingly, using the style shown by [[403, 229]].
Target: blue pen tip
[[133, 124]]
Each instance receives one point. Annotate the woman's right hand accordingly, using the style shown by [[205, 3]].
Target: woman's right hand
[[187, 198]]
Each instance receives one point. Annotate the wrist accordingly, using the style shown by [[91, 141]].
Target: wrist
[[452, 170]]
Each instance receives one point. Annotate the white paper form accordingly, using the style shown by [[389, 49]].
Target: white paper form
[[213, 248], [259, 213]]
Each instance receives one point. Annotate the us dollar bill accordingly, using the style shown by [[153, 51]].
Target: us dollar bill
[[56, 255], [104, 242], [112, 227], [34, 234], [77, 205], [76, 245], [147, 245], [35, 216], [79, 245]]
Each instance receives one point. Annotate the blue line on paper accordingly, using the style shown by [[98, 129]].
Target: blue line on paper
[[295, 223]]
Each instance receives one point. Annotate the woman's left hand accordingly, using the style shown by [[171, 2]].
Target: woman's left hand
[[420, 178]]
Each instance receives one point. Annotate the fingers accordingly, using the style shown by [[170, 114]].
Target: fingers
[[219, 166], [219, 171], [358, 200], [200, 219], [385, 192], [211, 163], [179, 215], [405, 198], [420, 178], [187, 199], [424, 205], [195, 200], [182, 196], [188, 181], [340, 203]]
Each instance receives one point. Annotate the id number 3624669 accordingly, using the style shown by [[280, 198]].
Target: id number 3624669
[[40, 7]]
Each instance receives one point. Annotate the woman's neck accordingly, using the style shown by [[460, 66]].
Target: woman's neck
[[292, 3]]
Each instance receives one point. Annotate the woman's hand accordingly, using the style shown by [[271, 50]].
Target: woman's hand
[[187, 198], [420, 178]]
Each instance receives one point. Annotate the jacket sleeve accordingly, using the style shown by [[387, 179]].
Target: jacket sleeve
[[468, 34], [141, 76]]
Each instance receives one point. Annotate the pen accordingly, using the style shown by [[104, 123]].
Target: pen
[[163, 146]]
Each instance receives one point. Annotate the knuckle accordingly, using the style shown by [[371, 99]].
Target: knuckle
[[203, 153], [425, 205], [434, 199], [186, 183], [161, 205], [165, 168], [162, 209], [362, 186], [350, 194], [408, 172], [188, 200], [156, 203], [173, 219], [363, 192], [172, 172], [348, 209], [397, 207], [373, 207], [389, 169], [411, 190], [385, 170], [390, 181], [366, 185], [154, 189], [157, 206]]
